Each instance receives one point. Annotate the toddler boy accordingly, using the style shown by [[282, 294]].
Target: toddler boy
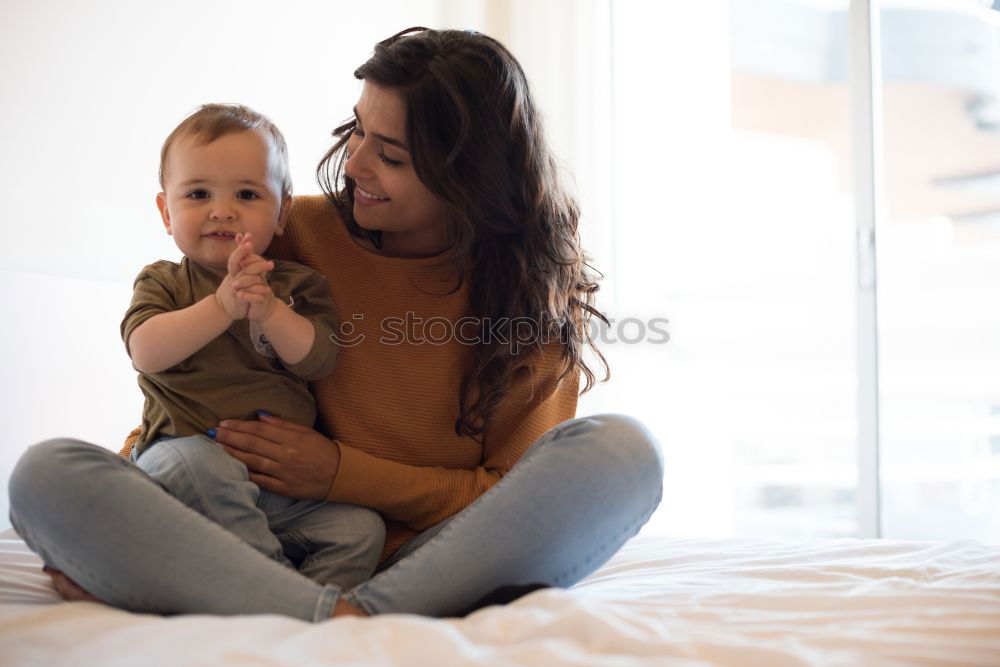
[[226, 333]]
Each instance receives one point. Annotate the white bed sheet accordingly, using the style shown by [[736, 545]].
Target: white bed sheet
[[659, 601]]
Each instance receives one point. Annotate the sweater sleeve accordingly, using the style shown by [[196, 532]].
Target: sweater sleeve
[[423, 496], [130, 441]]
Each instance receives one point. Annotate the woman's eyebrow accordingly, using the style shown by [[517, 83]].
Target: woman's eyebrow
[[382, 137]]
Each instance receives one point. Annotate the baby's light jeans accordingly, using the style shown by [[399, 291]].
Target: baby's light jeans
[[575, 497], [331, 543]]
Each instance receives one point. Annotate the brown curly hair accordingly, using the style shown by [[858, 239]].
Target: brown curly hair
[[476, 141]]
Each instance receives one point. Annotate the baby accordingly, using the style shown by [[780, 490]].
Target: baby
[[227, 333]]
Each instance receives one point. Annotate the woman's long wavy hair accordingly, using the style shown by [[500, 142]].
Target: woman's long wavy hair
[[476, 141]]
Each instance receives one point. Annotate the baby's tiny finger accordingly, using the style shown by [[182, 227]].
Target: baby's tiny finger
[[256, 290], [236, 258], [260, 265], [246, 280]]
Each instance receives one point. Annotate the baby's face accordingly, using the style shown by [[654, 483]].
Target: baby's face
[[213, 191]]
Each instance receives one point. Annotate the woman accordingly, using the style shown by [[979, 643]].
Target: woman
[[453, 258]]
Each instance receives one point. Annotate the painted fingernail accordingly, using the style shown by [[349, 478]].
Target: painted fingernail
[[211, 433], [261, 413]]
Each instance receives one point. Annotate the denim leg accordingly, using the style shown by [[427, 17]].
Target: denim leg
[[584, 489], [107, 525], [199, 473], [333, 543]]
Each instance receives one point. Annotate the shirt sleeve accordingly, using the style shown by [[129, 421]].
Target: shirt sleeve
[[423, 496], [151, 295], [313, 302]]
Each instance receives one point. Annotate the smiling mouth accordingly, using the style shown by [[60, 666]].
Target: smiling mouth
[[369, 195], [221, 236]]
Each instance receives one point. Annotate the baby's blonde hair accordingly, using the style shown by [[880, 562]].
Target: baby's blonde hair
[[212, 121]]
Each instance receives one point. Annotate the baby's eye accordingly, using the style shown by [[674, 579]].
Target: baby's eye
[[198, 194], [247, 194], [357, 131]]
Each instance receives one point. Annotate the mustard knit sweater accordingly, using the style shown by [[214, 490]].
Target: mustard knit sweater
[[392, 400]]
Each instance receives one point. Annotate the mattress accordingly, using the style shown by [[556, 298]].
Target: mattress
[[659, 601]]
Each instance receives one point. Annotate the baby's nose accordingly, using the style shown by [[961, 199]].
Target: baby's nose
[[221, 211]]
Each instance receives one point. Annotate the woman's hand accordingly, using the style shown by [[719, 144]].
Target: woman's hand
[[66, 587], [282, 457]]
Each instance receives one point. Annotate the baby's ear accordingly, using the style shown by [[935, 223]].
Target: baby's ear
[[161, 203], [286, 208]]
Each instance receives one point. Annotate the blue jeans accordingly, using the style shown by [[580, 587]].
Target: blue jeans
[[575, 497], [331, 543]]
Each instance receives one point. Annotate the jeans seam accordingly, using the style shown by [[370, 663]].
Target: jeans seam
[[643, 517], [307, 545], [326, 603]]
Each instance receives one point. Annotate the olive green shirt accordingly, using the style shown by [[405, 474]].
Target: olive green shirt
[[239, 372]]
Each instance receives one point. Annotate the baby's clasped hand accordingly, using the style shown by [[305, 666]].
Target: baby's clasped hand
[[244, 292], [258, 293]]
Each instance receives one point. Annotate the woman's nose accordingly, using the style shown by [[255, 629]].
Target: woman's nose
[[357, 164], [352, 167]]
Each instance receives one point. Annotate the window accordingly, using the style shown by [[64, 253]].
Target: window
[[939, 271], [738, 178]]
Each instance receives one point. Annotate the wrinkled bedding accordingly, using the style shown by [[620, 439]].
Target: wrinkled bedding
[[659, 601]]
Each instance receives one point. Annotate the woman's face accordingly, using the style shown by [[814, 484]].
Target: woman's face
[[388, 196]]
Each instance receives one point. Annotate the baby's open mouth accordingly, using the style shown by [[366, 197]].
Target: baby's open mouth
[[222, 236]]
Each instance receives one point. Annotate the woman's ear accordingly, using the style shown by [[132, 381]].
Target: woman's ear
[[161, 203], [286, 208]]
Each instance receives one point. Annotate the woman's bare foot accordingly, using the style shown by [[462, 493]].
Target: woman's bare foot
[[344, 608], [66, 587]]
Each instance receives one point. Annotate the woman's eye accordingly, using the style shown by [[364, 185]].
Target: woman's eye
[[247, 194], [198, 194], [389, 162]]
